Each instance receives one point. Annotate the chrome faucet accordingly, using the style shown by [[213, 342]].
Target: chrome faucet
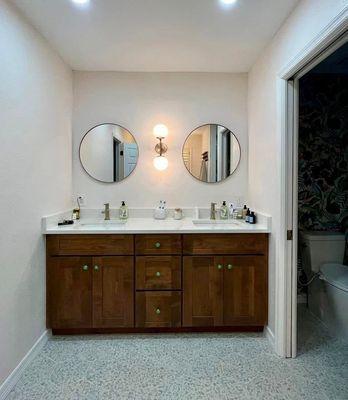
[[106, 212], [212, 211]]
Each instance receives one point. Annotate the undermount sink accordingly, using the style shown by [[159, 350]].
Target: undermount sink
[[103, 224], [214, 222]]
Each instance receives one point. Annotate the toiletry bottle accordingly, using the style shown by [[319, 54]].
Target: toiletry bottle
[[244, 211], [252, 218], [123, 211], [230, 210], [247, 217], [223, 211]]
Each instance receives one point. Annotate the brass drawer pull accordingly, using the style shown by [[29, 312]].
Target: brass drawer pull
[[85, 268], [158, 274], [220, 266], [158, 311], [157, 245], [229, 267], [96, 268]]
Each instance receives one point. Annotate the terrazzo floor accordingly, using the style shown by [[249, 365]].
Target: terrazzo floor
[[197, 366]]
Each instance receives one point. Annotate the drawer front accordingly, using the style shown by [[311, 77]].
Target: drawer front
[[158, 309], [66, 245], [158, 244], [158, 272], [234, 243]]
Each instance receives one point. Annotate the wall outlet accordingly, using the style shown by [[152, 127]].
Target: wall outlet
[[82, 199]]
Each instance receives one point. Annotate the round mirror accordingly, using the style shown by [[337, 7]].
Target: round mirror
[[211, 153], [108, 153]]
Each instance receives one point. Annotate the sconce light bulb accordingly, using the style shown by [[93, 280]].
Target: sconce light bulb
[[160, 163], [160, 131]]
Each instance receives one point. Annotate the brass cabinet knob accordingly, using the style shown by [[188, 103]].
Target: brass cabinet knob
[[158, 274], [85, 268], [158, 311], [157, 245], [96, 268], [220, 266], [229, 266]]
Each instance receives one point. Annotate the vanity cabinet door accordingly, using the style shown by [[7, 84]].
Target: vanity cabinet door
[[203, 285], [245, 291], [69, 292], [113, 288]]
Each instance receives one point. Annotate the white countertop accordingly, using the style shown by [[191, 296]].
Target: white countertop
[[148, 224]]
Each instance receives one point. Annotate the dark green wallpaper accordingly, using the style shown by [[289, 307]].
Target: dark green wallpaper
[[323, 152]]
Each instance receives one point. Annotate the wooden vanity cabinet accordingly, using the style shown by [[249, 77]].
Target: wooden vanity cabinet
[[170, 282], [69, 292], [224, 291]]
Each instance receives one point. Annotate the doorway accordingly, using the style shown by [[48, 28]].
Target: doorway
[[312, 201]]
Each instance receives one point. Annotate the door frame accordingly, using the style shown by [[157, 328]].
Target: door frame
[[287, 90]]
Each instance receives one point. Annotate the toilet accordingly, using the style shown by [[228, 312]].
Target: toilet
[[323, 252]]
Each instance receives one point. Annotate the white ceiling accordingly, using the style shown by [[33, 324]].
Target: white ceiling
[[158, 35]]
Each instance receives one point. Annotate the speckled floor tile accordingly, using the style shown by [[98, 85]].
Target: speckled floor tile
[[198, 366]]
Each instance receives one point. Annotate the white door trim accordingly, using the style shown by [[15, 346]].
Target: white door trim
[[286, 288]]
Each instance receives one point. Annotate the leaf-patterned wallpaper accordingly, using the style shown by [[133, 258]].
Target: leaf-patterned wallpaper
[[323, 152]]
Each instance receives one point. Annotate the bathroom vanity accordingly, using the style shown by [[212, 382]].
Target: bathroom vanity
[[153, 282]]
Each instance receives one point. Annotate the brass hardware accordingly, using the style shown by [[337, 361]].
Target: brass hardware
[[160, 147], [158, 274], [158, 311], [229, 266], [106, 212], [157, 245], [96, 268], [85, 268], [220, 266]]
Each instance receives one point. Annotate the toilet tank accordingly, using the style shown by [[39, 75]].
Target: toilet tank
[[321, 247]]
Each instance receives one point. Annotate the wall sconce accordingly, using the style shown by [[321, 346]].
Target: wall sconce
[[160, 162]]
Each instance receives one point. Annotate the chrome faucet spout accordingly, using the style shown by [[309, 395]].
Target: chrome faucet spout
[[213, 211], [106, 212]]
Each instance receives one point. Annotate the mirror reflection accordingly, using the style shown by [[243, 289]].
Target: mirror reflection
[[108, 153], [211, 153]]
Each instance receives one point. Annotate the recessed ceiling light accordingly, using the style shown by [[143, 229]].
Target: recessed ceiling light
[[228, 1], [80, 2]]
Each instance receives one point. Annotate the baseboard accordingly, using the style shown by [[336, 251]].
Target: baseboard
[[16, 374], [269, 335]]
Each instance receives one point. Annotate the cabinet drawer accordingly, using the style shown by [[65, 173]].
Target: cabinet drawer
[[158, 309], [158, 244], [158, 272], [65, 245], [233, 243]]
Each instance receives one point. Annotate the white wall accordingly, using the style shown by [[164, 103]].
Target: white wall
[[138, 101], [306, 21], [35, 176]]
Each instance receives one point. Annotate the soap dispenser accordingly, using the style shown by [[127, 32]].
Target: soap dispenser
[[123, 211], [224, 211]]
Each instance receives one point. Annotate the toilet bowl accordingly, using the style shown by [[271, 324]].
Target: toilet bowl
[[331, 301], [323, 252]]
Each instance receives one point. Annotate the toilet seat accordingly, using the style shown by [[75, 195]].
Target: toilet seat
[[336, 275]]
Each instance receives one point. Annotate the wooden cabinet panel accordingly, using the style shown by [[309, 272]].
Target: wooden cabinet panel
[[202, 284], [245, 299], [234, 243], [90, 245], [158, 309], [69, 292], [157, 244], [113, 292], [158, 272]]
